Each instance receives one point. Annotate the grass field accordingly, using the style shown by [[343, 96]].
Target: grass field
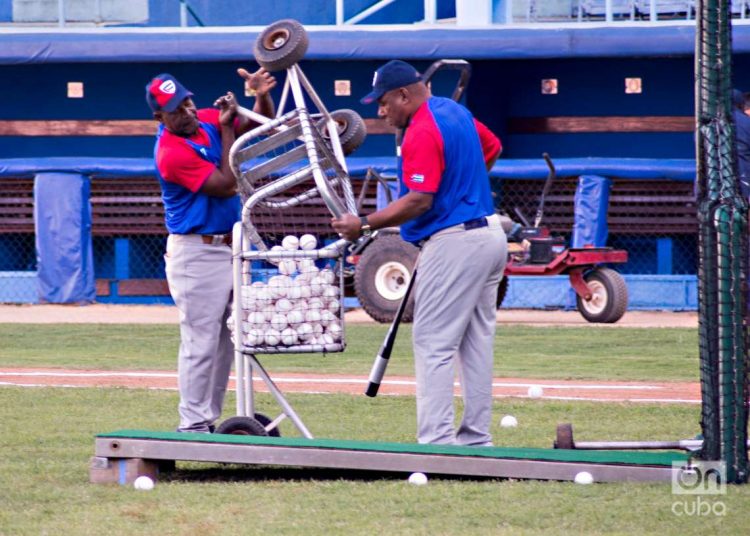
[[48, 438], [534, 352], [48, 433]]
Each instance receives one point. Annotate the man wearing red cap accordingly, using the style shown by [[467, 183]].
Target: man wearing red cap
[[445, 207], [201, 205]]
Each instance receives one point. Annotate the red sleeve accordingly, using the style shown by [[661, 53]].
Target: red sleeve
[[179, 164], [491, 146], [423, 161], [209, 115]]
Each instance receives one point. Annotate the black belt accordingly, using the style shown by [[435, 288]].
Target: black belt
[[476, 223]]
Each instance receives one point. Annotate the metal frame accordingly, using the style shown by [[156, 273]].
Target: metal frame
[[319, 159]]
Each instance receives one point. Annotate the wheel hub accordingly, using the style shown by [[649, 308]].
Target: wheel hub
[[598, 300], [391, 280], [276, 40]]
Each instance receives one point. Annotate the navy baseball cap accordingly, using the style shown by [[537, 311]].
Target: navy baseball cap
[[164, 93], [392, 75]]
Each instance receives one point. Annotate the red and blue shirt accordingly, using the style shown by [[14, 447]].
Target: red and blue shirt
[[443, 153], [183, 165]]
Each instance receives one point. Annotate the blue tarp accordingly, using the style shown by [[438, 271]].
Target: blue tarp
[[32, 46], [65, 261], [627, 168], [590, 211]]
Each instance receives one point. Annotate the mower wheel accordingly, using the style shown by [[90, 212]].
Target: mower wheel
[[609, 297], [502, 290], [281, 45], [265, 421], [242, 426], [350, 127], [382, 275]]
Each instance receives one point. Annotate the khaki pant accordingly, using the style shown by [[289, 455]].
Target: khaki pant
[[200, 281], [454, 322]]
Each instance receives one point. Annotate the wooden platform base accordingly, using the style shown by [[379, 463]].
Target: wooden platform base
[[120, 459]]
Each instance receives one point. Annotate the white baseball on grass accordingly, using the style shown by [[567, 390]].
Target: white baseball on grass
[[535, 391], [143, 483], [289, 336], [417, 479], [307, 241], [290, 243], [278, 322], [255, 337], [283, 305], [287, 266], [305, 332], [584, 477], [508, 421], [273, 337]]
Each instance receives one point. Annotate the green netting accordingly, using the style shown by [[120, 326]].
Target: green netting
[[722, 246], [557, 455]]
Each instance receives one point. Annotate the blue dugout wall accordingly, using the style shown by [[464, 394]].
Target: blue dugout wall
[[589, 64]]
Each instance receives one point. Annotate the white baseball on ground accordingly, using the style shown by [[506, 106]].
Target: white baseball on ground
[[279, 322], [417, 479], [584, 477], [305, 332], [289, 336], [508, 421], [307, 241], [290, 243], [287, 266], [273, 337], [254, 337], [143, 483], [536, 391]]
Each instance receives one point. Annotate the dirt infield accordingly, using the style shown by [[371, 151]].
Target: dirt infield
[[604, 391], [162, 314], [600, 391]]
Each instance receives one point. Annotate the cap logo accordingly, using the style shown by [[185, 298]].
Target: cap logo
[[168, 87]]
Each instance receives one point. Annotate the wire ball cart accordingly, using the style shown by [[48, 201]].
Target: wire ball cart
[[287, 260]]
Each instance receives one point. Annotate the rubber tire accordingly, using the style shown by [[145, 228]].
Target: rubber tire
[[502, 290], [351, 129], [241, 426], [611, 287], [265, 421], [280, 45], [385, 248], [564, 437]]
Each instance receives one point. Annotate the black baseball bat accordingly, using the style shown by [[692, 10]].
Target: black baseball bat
[[384, 354]]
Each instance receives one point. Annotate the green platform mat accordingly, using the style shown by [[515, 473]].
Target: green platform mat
[[553, 455]]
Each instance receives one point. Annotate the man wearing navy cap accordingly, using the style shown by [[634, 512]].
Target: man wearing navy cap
[[445, 206], [201, 205]]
